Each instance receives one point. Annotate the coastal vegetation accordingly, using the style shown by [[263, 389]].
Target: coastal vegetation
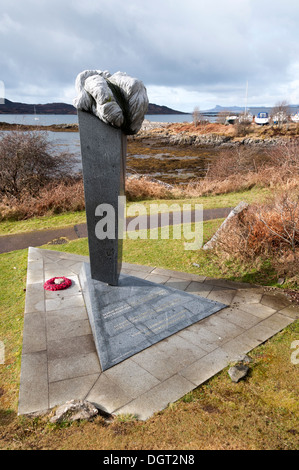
[[37, 188], [153, 158], [28, 163], [36, 185]]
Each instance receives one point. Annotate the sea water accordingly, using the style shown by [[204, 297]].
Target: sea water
[[49, 119], [70, 141]]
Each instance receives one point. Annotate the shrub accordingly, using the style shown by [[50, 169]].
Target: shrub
[[52, 199], [268, 231], [28, 162], [143, 188], [242, 128], [238, 161], [242, 167]]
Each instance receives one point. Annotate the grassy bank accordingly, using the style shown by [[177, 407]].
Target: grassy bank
[[72, 218]]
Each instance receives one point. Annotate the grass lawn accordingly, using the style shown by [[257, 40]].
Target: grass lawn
[[73, 218], [8, 227], [231, 199], [259, 412]]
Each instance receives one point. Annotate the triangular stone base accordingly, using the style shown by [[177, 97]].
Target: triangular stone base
[[136, 314]]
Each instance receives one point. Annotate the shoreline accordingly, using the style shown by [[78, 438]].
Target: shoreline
[[182, 136], [6, 126]]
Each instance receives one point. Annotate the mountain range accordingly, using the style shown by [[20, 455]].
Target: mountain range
[[10, 107], [240, 109]]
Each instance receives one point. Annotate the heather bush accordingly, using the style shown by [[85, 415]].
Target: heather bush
[[240, 160], [268, 231], [243, 167], [54, 198], [243, 159], [142, 188], [242, 128]]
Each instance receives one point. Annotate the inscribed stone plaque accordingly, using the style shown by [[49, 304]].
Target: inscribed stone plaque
[[136, 314]]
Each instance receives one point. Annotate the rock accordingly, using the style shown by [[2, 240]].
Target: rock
[[74, 410], [241, 207], [243, 358], [237, 372], [281, 281]]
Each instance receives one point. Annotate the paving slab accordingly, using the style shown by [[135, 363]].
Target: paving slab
[[62, 391], [292, 311], [60, 360], [158, 397], [34, 333]]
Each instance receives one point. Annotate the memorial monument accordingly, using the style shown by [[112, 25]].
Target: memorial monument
[[110, 107], [127, 314]]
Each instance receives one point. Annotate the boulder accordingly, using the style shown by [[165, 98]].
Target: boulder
[[241, 207], [237, 372], [74, 410]]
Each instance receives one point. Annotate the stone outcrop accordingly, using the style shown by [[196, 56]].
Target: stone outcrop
[[198, 140], [238, 372], [241, 207], [164, 135], [74, 410]]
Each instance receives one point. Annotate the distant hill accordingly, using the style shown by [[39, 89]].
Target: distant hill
[[240, 109], [156, 109], [219, 109], [10, 107]]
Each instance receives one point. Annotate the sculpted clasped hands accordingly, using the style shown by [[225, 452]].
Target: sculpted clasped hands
[[118, 99]]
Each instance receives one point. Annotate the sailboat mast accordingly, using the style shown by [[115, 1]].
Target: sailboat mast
[[246, 97]]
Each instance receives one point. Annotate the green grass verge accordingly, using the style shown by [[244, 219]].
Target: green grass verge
[[12, 303], [67, 219], [214, 201], [72, 218], [166, 253]]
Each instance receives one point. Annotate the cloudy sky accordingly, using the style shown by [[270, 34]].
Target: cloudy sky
[[188, 53]]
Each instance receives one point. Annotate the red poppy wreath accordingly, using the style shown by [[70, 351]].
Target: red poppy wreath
[[57, 283]]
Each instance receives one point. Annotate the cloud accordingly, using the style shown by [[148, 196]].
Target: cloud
[[182, 51]]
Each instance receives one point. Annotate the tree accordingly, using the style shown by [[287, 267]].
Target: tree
[[196, 116], [28, 162], [280, 112]]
